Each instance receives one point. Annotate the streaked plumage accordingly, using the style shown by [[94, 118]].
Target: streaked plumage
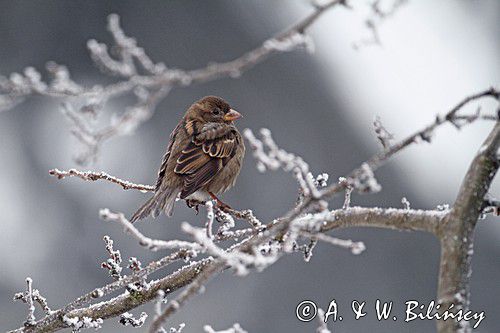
[[203, 157]]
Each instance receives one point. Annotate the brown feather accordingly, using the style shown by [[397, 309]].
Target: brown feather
[[163, 167], [193, 182], [196, 161]]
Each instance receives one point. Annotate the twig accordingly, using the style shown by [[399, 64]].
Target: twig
[[354, 247], [380, 159], [193, 288], [210, 218], [93, 176], [27, 297], [322, 328], [246, 214], [103, 291], [152, 244], [123, 302], [149, 88]]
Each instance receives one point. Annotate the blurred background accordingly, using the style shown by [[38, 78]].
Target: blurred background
[[320, 106]]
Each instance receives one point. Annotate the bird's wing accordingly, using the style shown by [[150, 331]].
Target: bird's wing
[[163, 167], [205, 156]]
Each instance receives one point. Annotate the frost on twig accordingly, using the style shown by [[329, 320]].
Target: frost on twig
[[460, 121], [491, 206], [161, 299], [291, 43], [137, 75], [210, 218], [322, 328], [226, 223], [309, 226], [113, 263], [136, 267], [77, 324], [30, 296], [246, 214], [236, 328], [406, 203], [194, 286], [307, 249], [364, 181], [382, 134], [128, 319], [321, 180], [443, 207], [348, 192], [270, 157], [233, 258], [152, 244], [127, 52], [93, 176], [355, 247], [178, 329]]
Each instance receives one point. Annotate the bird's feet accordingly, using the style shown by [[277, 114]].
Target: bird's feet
[[194, 204]]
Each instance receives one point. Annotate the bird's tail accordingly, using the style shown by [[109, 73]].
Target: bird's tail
[[161, 201]]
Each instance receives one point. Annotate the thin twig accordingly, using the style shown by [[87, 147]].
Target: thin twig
[[93, 176], [152, 244]]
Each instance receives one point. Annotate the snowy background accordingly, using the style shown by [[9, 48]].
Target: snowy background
[[319, 106]]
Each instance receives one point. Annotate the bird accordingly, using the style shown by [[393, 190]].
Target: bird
[[203, 158]]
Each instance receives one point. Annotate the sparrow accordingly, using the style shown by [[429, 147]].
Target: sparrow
[[203, 158]]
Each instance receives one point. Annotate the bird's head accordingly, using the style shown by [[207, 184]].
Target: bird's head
[[212, 109]]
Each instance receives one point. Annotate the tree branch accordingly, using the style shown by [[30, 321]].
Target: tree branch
[[93, 176], [389, 218], [424, 134], [457, 232], [149, 88], [122, 303]]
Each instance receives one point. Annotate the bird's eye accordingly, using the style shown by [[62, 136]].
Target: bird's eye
[[216, 111]]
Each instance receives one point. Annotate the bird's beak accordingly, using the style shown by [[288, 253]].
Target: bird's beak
[[232, 115]]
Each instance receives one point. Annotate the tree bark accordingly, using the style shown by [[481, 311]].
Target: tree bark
[[457, 233]]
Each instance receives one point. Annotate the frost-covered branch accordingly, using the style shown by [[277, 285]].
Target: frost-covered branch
[[113, 264], [424, 134], [491, 206], [194, 287], [123, 302], [382, 134], [30, 296], [270, 157], [354, 247], [128, 319], [322, 328], [93, 176], [126, 280], [234, 258], [152, 244], [77, 324], [138, 75]]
